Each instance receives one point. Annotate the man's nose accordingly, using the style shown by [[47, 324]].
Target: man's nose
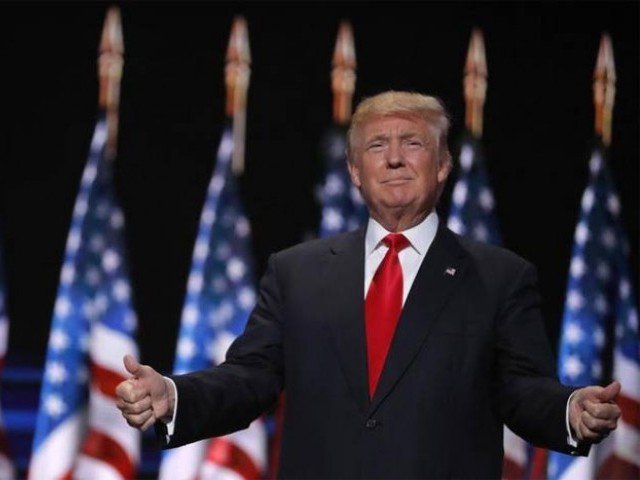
[[395, 156]]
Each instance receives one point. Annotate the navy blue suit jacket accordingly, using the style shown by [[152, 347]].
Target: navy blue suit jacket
[[469, 354]]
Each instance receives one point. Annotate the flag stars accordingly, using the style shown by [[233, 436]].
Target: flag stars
[[603, 271], [356, 197], [613, 204], [578, 267], [596, 371], [63, 307], [608, 238], [219, 284], [599, 338], [68, 274], [333, 185], [582, 234], [92, 276], [624, 289], [121, 290], [99, 137], [236, 269], [223, 251], [110, 260], [575, 300], [466, 157], [216, 185], [460, 193], [632, 320], [117, 220], [54, 406], [573, 333], [595, 164], [222, 315], [89, 174], [587, 199], [456, 225], [208, 216], [102, 209], [82, 375], [601, 305], [201, 250], [73, 242], [486, 200], [97, 243], [195, 282], [58, 340], [246, 298], [480, 232], [56, 372], [190, 315], [186, 348], [130, 321], [81, 207], [573, 367], [332, 219], [243, 229]]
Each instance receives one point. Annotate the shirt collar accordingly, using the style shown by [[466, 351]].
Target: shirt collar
[[420, 236]]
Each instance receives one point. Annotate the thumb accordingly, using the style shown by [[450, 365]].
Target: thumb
[[132, 365], [610, 392]]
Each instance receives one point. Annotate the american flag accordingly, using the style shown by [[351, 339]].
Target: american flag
[[342, 206], [6, 465], [472, 214], [600, 340], [79, 430], [220, 296]]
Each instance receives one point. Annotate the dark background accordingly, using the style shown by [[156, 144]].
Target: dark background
[[538, 130]]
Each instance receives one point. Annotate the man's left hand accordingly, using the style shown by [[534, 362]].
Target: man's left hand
[[593, 413]]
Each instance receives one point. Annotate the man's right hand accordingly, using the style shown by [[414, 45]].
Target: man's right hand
[[146, 397]]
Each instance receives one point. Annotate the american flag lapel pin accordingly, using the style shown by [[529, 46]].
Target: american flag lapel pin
[[450, 271]]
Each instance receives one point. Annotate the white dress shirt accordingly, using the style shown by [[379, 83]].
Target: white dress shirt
[[420, 238]]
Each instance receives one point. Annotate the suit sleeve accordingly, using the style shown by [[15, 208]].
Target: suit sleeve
[[532, 401], [226, 398]]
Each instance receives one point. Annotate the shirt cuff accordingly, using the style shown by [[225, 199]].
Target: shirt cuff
[[571, 440], [171, 425]]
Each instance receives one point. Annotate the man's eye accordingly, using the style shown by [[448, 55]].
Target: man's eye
[[375, 145], [414, 143]]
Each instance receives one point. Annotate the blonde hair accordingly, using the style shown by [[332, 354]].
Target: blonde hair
[[429, 108]]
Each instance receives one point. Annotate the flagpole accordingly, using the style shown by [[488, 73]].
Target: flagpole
[[475, 83], [604, 90], [237, 73], [110, 62], [343, 74]]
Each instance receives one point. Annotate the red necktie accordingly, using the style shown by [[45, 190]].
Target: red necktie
[[383, 306]]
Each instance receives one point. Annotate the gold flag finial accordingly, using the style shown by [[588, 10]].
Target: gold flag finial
[[110, 62], [475, 83], [343, 74], [604, 89], [237, 74]]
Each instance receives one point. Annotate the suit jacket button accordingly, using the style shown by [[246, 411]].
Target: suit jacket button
[[372, 423]]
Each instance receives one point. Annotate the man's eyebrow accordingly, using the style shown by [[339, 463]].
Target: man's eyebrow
[[377, 136]]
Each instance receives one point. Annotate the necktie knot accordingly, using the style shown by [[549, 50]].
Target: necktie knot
[[396, 241]]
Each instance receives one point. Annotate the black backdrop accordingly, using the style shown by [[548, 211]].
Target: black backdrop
[[538, 129]]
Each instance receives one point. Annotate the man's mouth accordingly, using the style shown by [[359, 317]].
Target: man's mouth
[[396, 181]]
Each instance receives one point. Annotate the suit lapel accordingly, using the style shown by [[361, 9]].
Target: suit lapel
[[345, 305], [441, 271]]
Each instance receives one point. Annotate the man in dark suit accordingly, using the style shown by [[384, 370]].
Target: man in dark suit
[[403, 348]]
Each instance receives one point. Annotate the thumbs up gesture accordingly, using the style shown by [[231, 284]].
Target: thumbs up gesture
[[593, 413], [146, 397]]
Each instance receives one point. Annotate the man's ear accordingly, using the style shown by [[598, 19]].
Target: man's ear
[[444, 169], [354, 172]]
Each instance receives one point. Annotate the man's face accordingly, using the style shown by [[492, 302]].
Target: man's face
[[395, 163]]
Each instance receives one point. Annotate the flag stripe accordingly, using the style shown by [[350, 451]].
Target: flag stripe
[[224, 452], [105, 449]]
